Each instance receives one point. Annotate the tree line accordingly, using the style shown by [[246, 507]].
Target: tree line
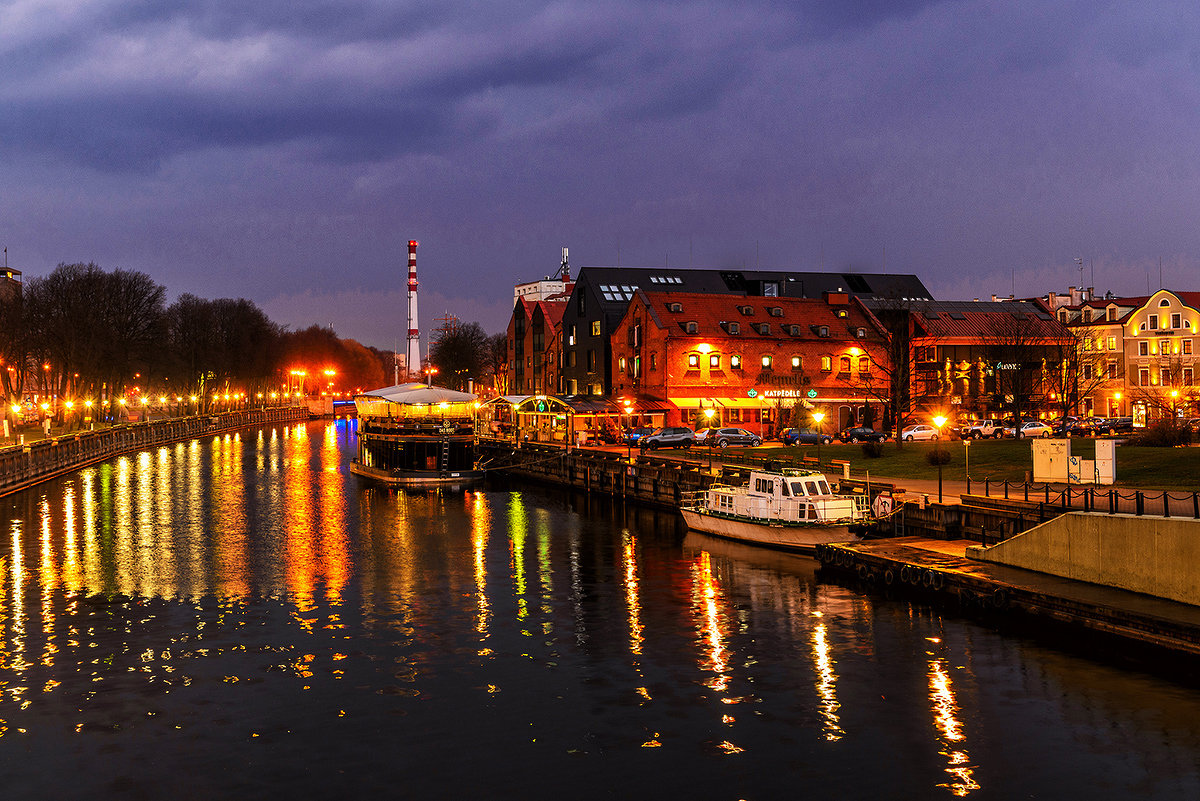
[[83, 332]]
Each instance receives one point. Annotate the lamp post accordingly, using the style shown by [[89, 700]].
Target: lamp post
[[708, 416], [939, 421], [817, 418], [1174, 414], [629, 434]]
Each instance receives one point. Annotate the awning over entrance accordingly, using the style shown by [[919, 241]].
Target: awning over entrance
[[719, 403]]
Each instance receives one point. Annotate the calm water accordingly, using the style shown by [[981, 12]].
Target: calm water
[[241, 617]]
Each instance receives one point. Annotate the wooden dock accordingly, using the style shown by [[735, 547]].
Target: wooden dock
[[941, 568]]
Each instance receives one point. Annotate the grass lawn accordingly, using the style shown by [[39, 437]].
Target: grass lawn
[[998, 460]]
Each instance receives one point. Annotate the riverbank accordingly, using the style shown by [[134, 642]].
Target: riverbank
[[25, 465]]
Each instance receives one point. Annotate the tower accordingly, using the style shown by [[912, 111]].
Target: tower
[[413, 351]]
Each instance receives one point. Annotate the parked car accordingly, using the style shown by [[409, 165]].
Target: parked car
[[669, 437], [723, 437], [918, 433], [1120, 425], [804, 436], [700, 435], [861, 434], [633, 435], [1032, 428]]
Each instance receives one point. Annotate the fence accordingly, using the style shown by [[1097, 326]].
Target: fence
[[1092, 499], [22, 466]]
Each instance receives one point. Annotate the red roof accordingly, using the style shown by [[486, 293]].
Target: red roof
[[713, 313]]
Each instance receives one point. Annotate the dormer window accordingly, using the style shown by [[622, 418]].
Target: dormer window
[[1111, 311], [691, 327], [1063, 314], [675, 307], [734, 328], [841, 313], [794, 330], [775, 311], [1087, 315], [1164, 302], [861, 333], [823, 331], [747, 311], [764, 328]]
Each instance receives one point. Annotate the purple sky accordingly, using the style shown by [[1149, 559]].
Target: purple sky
[[285, 152]]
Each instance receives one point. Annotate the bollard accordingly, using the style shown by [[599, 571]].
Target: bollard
[[1139, 503], [1166, 504]]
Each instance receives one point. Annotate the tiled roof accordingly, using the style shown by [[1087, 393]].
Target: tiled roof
[[713, 313], [973, 320]]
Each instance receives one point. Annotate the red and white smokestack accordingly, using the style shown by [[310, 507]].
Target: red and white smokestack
[[413, 351]]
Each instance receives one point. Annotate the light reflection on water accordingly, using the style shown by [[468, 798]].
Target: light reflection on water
[[241, 615]]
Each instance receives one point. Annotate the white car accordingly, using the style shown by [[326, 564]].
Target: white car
[[918, 433], [1030, 429]]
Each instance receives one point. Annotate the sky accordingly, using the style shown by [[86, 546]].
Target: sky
[[286, 152]]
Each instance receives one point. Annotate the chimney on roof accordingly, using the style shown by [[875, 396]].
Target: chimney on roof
[[1052, 299], [994, 297]]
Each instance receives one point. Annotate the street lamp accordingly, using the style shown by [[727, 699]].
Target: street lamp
[[940, 421], [629, 434], [817, 418], [708, 416]]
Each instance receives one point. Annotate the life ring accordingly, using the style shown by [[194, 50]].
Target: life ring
[[888, 577]]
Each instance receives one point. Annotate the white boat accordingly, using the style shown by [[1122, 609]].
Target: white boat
[[791, 509]]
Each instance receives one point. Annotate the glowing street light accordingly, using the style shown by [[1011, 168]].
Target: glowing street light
[[817, 418], [940, 421]]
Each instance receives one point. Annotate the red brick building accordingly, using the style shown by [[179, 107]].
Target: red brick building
[[534, 344], [750, 359]]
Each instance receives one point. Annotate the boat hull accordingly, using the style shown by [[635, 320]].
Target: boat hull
[[802, 537], [417, 478]]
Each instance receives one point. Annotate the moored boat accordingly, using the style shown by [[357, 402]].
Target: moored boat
[[414, 435], [790, 509]]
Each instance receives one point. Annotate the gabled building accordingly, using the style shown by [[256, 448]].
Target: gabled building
[[748, 359], [1145, 348], [534, 339], [602, 294]]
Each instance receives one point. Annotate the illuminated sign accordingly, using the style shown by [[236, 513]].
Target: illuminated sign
[[752, 393]]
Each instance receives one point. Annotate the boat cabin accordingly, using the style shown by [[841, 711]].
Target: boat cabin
[[785, 496]]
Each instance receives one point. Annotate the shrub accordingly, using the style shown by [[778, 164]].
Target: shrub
[[872, 450], [938, 455], [1161, 434]]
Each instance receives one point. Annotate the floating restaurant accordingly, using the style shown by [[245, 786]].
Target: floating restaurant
[[416, 434]]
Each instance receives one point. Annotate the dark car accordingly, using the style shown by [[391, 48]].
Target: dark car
[[1120, 425], [634, 434], [862, 434], [669, 437], [804, 436], [723, 437]]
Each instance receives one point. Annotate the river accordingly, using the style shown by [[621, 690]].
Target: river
[[241, 617]]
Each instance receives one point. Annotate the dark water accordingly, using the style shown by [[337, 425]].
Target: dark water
[[241, 617]]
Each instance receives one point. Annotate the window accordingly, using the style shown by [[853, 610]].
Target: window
[[1164, 302], [653, 361], [674, 307], [1062, 315], [591, 361], [823, 331], [572, 386], [1176, 321], [1143, 376], [764, 328], [1112, 343], [844, 364], [1164, 347], [827, 363], [637, 366], [864, 364], [693, 361], [571, 360], [1111, 312], [1185, 347], [861, 333], [580, 303], [1164, 376], [1152, 321], [1112, 369], [797, 362], [1087, 315], [794, 330], [775, 311], [1087, 371], [691, 327], [735, 362], [621, 364], [771, 289], [714, 362], [637, 335], [597, 389], [595, 328], [841, 313], [766, 362], [735, 328], [571, 336], [1188, 379], [746, 310], [1087, 343], [1143, 348]]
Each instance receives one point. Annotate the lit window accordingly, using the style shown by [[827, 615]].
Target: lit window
[[714, 361], [693, 361], [735, 362], [766, 362], [595, 328], [826, 363], [1112, 343], [796, 362]]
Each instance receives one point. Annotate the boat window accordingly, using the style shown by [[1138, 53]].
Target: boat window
[[825, 488], [811, 488], [810, 512], [784, 490], [797, 487]]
